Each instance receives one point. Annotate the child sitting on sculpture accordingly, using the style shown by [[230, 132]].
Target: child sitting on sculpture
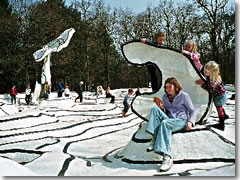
[[109, 95], [67, 91]]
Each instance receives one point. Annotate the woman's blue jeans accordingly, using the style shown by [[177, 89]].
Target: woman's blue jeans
[[161, 127]]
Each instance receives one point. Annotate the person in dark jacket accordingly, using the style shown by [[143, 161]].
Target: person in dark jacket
[[79, 90], [158, 41], [138, 93], [109, 95], [59, 88]]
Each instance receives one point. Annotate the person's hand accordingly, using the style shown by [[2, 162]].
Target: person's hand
[[143, 40], [188, 126], [185, 52], [200, 82], [158, 102]]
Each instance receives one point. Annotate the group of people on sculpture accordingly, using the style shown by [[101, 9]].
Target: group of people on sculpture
[[175, 111]]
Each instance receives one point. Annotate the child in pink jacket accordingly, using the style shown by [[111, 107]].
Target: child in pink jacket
[[190, 49]]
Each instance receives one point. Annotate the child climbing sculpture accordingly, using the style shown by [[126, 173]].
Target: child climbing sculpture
[[215, 86]]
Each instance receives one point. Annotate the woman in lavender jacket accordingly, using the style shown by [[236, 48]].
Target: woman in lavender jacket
[[175, 112]]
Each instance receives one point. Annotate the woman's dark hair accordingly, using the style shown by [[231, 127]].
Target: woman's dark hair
[[174, 82]]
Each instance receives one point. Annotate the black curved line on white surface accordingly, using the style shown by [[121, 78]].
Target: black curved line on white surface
[[24, 117], [63, 128], [65, 149], [184, 161], [4, 111], [136, 53]]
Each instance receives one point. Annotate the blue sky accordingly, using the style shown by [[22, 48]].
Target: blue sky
[[135, 5], [138, 5]]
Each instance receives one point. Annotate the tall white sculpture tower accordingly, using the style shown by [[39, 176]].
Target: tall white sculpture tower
[[45, 53]]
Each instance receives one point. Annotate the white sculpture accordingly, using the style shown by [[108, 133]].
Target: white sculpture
[[45, 53], [171, 63], [36, 94]]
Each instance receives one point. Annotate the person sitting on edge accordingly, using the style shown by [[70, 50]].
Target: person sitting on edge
[[173, 113], [109, 95], [67, 91], [138, 93]]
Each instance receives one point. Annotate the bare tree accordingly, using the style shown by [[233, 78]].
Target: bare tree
[[213, 11]]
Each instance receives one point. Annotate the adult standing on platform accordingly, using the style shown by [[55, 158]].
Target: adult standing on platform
[[13, 93], [59, 88], [79, 90], [28, 94]]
